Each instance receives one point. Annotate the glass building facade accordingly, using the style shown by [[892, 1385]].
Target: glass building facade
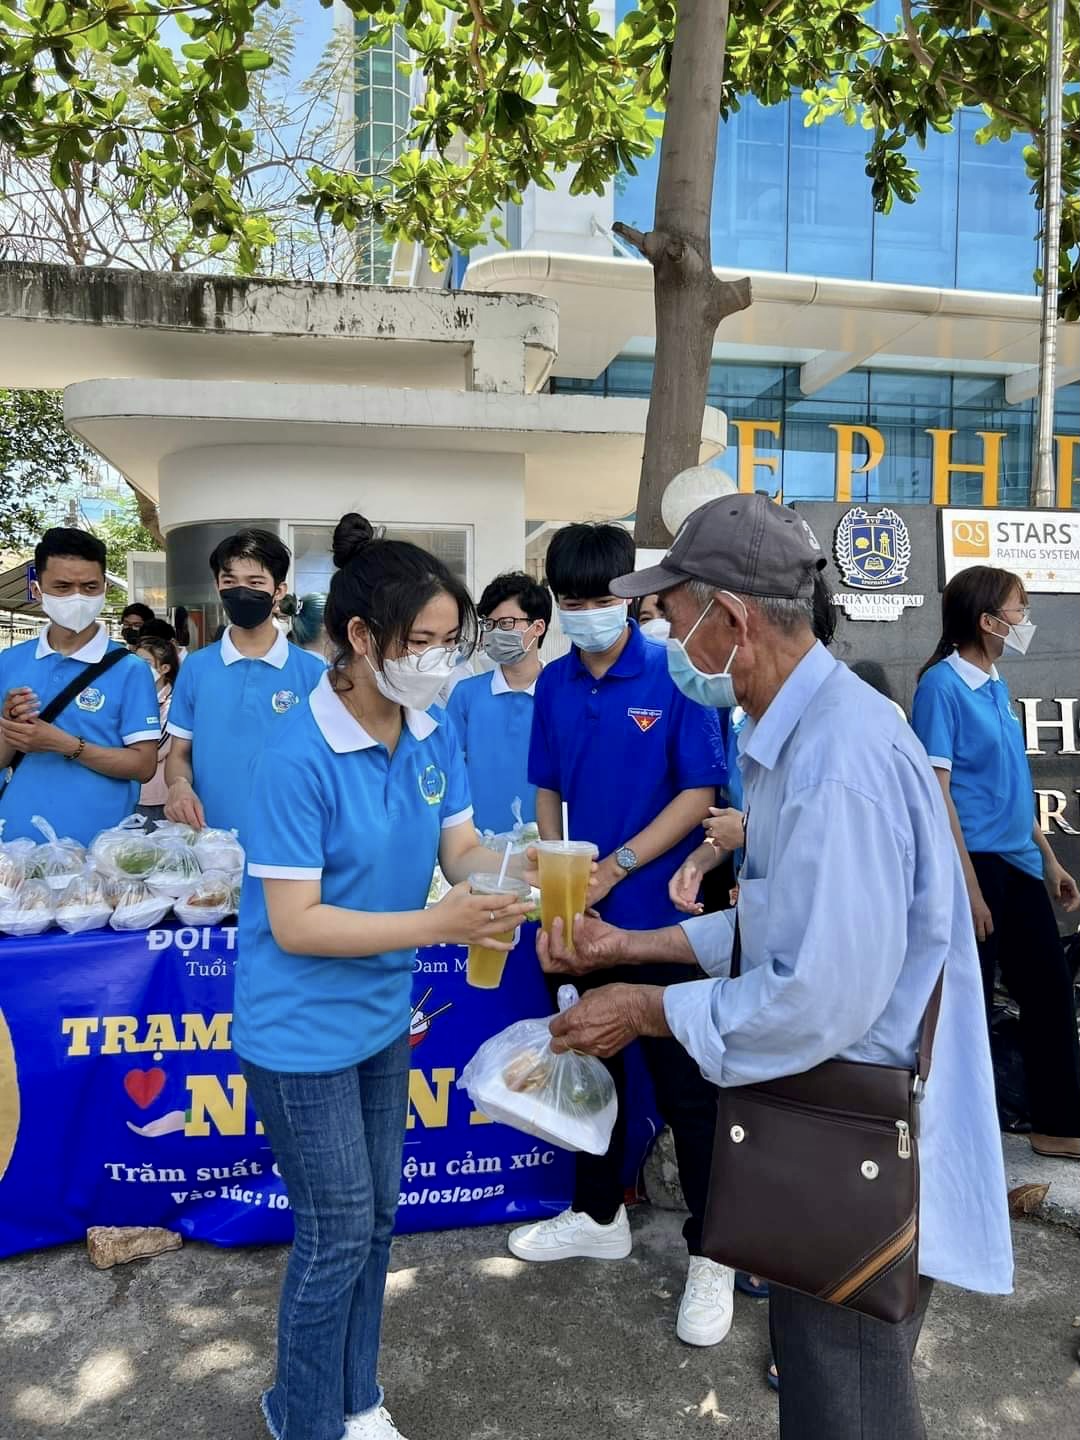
[[382, 104], [796, 198]]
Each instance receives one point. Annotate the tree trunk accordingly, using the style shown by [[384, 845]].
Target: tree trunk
[[689, 300], [148, 515]]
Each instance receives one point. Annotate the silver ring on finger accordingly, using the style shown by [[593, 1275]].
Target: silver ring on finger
[[491, 916]]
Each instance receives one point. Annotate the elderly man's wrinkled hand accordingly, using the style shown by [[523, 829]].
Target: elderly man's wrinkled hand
[[604, 1021], [596, 947]]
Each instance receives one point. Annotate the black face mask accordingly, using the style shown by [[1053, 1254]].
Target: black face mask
[[246, 607], [132, 634]]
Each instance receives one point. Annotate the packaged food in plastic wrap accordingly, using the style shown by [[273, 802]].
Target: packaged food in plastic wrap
[[55, 861], [516, 1078], [125, 852], [220, 850], [29, 911], [135, 908], [12, 872], [175, 830], [521, 835], [208, 902], [177, 869], [85, 904]]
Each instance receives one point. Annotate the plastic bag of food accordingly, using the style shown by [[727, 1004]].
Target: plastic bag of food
[[135, 908], [521, 835], [176, 871], [125, 852], [208, 902], [29, 911], [219, 850], [12, 872], [174, 830], [516, 1079], [85, 904], [57, 861]]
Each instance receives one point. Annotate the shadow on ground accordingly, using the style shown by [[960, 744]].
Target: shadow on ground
[[479, 1346]]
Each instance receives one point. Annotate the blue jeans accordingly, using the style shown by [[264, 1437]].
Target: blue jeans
[[337, 1139]]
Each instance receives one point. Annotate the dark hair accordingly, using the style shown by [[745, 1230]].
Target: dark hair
[[873, 674], [981, 590], [582, 560], [164, 652], [61, 542], [136, 607], [180, 620], [386, 583], [261, 546], [823, 622], [307, 613], [160, 629], [534, 598]]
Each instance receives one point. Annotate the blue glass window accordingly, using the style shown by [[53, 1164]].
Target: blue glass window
[[996, 248], [749, 216], [830, 213], [916, 244]]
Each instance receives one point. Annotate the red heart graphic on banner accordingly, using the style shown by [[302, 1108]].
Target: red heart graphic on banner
[[144, 1086]]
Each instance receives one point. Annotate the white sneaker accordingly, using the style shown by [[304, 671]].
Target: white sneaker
[[372, 1425], [572, 1235], [708, 1303]]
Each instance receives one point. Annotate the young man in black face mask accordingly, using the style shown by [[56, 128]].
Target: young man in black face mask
[[230, 695], [132, 619]]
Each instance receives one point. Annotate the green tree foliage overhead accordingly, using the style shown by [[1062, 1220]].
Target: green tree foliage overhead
[[37, 457], [516, 89]]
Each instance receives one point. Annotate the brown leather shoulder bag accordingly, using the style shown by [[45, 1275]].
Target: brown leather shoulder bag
[[815, 1179]]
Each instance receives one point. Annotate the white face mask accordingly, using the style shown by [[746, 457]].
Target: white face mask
[[1016, 637], [658, 629], [415, 680], [73, 612]]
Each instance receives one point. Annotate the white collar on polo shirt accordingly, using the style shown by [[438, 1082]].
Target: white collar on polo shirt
[[971, 675], [345, 734], [501, 686], [275, 656], [90, 654]]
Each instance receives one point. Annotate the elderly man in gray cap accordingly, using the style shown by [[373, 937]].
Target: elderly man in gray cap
[[851, 905]]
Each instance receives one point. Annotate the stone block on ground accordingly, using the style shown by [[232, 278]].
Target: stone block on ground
[[109, 1245]]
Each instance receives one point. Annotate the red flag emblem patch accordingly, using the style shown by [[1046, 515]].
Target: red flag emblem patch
[[644, 719]]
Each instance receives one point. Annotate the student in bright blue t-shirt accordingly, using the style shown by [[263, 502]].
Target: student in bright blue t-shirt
[[963, 716], [493, 713], [638, 765], [82, 772], [231, 697], [355, 799]]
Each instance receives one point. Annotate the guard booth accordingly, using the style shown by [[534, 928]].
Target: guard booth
[[887, 568]]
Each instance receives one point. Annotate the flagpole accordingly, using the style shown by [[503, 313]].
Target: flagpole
[[1045, 487]]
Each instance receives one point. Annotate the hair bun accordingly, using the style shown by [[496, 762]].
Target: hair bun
[[351, 535]]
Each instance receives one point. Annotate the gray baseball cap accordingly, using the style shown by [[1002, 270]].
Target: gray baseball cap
[[744, 543]]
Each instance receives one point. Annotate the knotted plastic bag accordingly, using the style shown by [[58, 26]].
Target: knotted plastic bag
[[57, 861], [220, 850], [136, 908], [177, 871], [125, 852], [29, 911], [208, 901], [85, 904], [517, 1079]]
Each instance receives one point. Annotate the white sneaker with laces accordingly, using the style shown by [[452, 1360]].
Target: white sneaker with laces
[[708, 1303], [372, 1425], [573, 1235]]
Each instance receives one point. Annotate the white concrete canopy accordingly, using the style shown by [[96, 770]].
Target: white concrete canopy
[[581, 455], [828, 326], [59, 325]]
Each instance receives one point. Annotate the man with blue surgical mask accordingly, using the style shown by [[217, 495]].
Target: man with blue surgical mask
[[852, 905], [638, 766]]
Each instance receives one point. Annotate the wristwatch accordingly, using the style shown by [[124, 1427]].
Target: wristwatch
[[626, 859]]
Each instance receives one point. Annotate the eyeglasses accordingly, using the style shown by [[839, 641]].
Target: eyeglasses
[[431, 657], [509, 622]]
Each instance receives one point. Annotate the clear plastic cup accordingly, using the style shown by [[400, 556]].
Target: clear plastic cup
[[485, 966], [565, 871]]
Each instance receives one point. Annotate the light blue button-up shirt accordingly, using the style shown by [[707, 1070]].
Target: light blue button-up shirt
[[851, 899]]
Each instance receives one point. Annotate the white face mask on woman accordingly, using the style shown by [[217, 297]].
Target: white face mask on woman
[[415, 680]]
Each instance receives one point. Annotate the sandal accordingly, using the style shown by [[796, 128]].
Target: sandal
[[751, 1285]]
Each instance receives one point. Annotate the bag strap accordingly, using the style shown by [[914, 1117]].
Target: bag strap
[[59, 703]]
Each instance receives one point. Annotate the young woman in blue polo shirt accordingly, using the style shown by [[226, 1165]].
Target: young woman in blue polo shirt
[[353, 803], [963, 716]]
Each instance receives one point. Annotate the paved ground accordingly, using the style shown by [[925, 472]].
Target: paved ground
[[481, 1347], [1024, 1167]]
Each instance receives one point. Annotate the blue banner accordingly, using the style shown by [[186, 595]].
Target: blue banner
[[121, 1102]]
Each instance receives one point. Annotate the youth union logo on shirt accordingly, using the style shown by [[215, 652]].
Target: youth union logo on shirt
[[283, 700], [92, 700], [644, 719], [432, 782]]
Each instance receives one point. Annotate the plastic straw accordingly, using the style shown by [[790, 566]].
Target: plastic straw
[[565, 821], [505, 863]]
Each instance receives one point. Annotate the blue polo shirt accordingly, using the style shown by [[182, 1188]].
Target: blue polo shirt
[[618, 750], [493, 724], [121, 708], [964, 719], [229, 707], [332, 805]]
